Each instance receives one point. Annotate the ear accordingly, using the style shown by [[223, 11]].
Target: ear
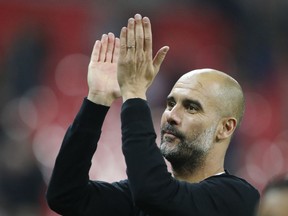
[[226, 128]]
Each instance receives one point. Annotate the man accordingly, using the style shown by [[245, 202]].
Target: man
[[275, 197], [203, 110]]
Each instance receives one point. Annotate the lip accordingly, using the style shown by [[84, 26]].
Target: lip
[[169, 133]]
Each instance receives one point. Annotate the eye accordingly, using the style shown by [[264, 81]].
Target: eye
[[192, 108], [170, 104]]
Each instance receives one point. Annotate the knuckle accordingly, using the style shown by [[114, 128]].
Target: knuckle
[[140, 36], [148, 37], [122, 46], [140, 56]]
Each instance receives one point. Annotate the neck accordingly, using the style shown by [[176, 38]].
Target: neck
[[197, 172]]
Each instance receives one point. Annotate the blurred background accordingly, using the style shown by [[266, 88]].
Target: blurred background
[[45, 48]]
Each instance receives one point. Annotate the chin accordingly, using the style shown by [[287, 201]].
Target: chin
[[166, 144], [168, 147]]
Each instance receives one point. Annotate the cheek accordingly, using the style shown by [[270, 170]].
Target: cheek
[[192, 127], [163, 119]]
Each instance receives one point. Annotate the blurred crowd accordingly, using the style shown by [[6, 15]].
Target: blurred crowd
[[44, 54]]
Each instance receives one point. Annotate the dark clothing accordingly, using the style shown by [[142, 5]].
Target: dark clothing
[[150, 190]]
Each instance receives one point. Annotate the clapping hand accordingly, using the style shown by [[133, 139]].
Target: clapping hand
[[102, 71], [136, 66]]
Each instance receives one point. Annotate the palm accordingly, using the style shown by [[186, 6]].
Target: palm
[[102, 78], [102, 71]]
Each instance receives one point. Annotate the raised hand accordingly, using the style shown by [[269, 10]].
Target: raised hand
[[136, 67], [102, 71]]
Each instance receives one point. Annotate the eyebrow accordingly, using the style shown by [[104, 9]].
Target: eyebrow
[[187, 101]]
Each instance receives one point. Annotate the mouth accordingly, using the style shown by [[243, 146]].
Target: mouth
[[168, 135]]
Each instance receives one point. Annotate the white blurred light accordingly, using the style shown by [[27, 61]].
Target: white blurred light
[[22, 115], [71, 74], [282, 140], [45, 102], [272, 160], [255, 152], [46, 144], [255, 173], [27, 112], [11, 121], [114, 168]]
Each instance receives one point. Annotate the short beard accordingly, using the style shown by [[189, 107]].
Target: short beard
[[189, 155]]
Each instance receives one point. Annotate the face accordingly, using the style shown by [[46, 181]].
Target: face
[[189, 123], [274, 203]]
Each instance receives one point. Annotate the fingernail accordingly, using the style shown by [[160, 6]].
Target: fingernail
[[131, 20], [138, 16], [146, 19]]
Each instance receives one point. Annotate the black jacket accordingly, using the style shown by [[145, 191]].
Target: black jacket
[[150, 188]]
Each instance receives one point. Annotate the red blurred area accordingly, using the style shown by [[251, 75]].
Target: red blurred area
[[44, 54]]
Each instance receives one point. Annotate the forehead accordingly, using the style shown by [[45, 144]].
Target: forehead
[[194, 87]]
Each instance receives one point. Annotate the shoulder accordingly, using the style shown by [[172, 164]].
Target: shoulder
[[223, 195], [230, 185]]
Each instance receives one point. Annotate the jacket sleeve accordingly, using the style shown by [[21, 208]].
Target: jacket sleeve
[[157, 192], [149, 179], [70, 192]]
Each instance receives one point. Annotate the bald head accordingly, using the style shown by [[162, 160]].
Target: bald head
[[224, 90]]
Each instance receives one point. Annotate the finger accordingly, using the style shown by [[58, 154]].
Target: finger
[[96, 51], [139, 33], [159, 57], [110, 47], [147, 37], [131, 35], [104, 44], [123, 41], [116, 50]]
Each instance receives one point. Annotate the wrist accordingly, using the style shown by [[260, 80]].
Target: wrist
[[130, 95], [100, 99]]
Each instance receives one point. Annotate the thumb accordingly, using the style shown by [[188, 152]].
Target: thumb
[[159, 57]]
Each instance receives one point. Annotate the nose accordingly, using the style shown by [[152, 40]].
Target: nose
[[173, 116]]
